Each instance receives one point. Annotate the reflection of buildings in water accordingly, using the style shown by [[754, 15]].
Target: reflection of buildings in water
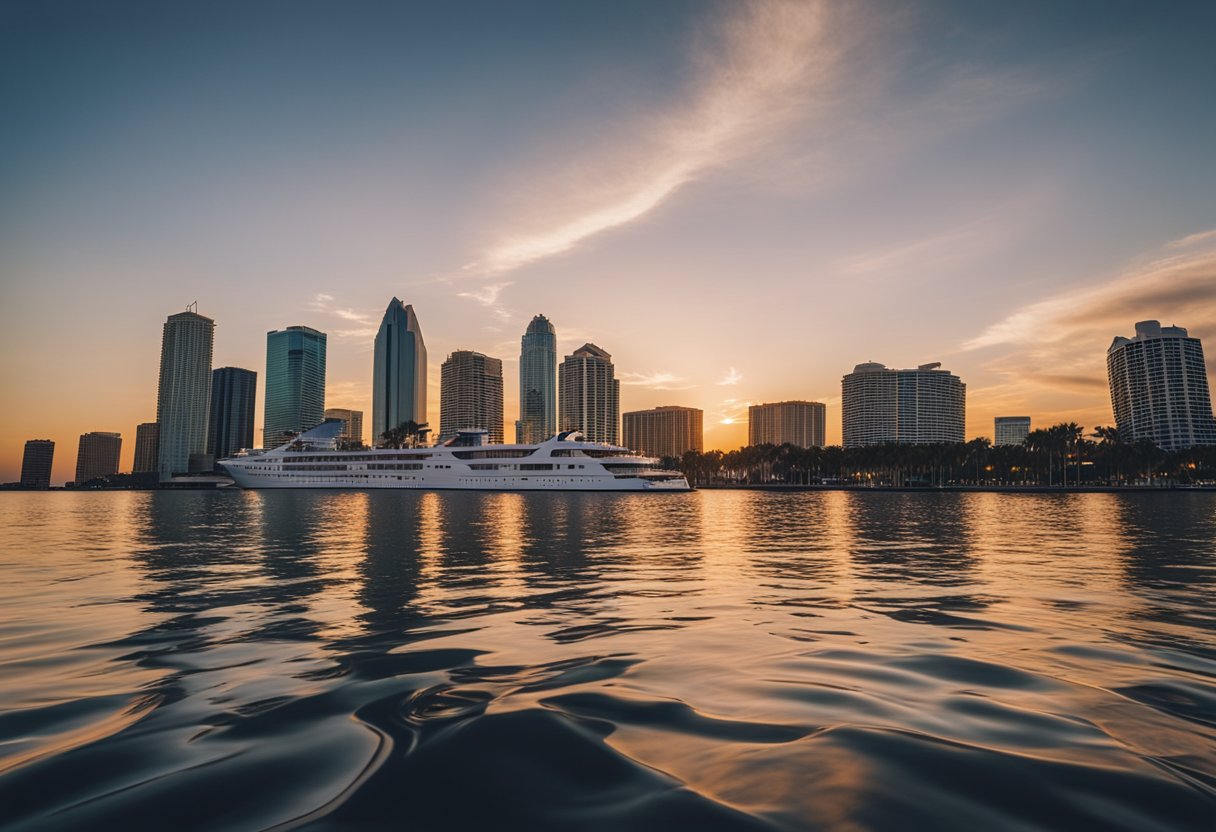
[[790, 547], [192, 548], [906, 547], [314, 543], [919, 538], [1044, 547], [391, 569], [571, 541], [1168, 554]]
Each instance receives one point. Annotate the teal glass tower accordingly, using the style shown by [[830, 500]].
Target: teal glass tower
[[295, 383], [398, 372], [537, 383]]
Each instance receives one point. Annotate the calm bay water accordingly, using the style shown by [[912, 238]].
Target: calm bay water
[[718, 660]]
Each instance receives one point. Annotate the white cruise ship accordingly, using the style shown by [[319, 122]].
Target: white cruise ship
[[563, 463]]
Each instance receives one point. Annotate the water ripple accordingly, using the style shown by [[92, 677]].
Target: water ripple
[[724, 660]]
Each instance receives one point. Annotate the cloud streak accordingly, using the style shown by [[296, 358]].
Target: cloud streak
[[366, 325], [731, 378], [655, 380], [1054, 351], [757, 70]]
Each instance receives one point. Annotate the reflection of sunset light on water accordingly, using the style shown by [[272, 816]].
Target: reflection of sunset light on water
[[806, 653]]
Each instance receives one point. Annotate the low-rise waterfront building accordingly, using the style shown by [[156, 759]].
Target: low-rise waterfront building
[[352, 424], [670, 430], [778, 423], [1010, 430]]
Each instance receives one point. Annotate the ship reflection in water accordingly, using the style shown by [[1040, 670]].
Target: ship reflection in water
[[723, 660]]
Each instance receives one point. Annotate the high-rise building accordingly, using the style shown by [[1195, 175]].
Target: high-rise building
[[145, 447], [97, 456], [918, 406], [1010, 430], [295, 383], [399, 371], [183, 398], [36, 463], [233, 391], [664, 431], [352, 424], [470, 395], [589, 395], [537, 383], [1159, 387], [779, 423]]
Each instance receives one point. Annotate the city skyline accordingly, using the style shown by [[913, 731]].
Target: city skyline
[[1003, 207]]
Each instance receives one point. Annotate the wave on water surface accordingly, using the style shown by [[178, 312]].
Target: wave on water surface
[[724, 660]]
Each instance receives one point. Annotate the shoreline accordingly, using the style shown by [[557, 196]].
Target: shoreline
[[993, 489]]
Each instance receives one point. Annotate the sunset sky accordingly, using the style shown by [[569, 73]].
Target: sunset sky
[[738, 200]]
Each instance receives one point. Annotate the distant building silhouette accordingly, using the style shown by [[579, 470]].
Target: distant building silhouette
[[918, 406], [589, 395], [352, 423], [36, 463], [796, 423], [233, 391], [537, 383], [398, 371], [183, 399], [295, 383], [664, 431], [1159, 387], [145, 448], [97, 456], [1010, 430], [470, 395]]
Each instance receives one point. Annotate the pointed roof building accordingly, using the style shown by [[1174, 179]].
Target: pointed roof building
[[399, 371]]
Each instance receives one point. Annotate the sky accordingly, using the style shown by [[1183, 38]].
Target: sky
[[738, 200]]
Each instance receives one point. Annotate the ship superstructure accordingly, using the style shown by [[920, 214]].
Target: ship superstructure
[[562, 463]]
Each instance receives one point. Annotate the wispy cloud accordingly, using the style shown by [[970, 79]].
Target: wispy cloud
[[1055, 349], [927, 251], [732, 377], [656, 381], [1193, 239], [366, 324], [487, 295], [1182, 286], [756, 71]]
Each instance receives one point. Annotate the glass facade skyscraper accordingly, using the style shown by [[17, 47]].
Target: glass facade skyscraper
[[398, 371], [233, 391], [295, 383], [537, 383], [183, 400]]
